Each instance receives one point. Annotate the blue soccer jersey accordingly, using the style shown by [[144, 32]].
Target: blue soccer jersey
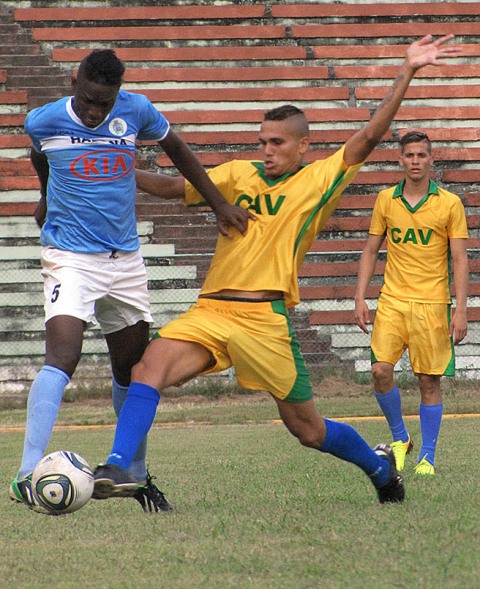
[[91, 186]]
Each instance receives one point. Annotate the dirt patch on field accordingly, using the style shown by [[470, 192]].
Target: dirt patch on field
[[329, 387], [332, 386]]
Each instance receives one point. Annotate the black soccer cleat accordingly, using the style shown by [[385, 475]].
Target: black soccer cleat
[[394, 490], [151, 498], [112, 481]]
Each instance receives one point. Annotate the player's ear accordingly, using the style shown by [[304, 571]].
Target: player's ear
[[74, 78], [303, 144]]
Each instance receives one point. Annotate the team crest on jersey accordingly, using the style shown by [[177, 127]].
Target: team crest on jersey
[[117, 127]]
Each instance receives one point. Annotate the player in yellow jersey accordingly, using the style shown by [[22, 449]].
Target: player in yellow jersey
[[426, 229], [241, 316]]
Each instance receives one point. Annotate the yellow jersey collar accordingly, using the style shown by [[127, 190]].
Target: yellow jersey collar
[[432, 189], [274, 181]]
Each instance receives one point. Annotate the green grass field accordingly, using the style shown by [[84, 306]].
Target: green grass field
[[253, 510]]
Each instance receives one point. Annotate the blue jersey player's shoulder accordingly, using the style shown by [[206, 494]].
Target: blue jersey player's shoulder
[[40, 119], [46, 121], [151, 123]]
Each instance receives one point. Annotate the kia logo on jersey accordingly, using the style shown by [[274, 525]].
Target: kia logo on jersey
[[106, 165]]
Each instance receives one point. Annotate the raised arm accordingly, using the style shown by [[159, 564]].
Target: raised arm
[[419, 54], [187, 163], [365, 273]]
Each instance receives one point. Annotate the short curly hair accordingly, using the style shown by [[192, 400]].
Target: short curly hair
[[103, 67]]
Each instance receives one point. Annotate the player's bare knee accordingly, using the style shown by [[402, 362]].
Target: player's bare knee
[[139, 370], [378, 371], [429, 389], [146, 373], [64, 360], [122, 375], [382, 377], [308, 437]]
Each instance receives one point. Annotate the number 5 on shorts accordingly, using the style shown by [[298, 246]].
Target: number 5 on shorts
[[55, 293]]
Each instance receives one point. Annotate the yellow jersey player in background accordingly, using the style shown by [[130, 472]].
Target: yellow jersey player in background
[[426, 229], [241, 316]]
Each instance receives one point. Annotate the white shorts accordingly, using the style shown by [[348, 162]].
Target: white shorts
[[108, 288]]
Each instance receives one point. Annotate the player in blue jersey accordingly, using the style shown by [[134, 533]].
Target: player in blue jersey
[[84, 155]]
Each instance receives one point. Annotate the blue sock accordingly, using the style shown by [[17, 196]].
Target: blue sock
[[134, 421], [430, 421], [391, 405], [346, 443], [43, 404], [139, 466]]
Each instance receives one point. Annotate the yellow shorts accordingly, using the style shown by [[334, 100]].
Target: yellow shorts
[[257, 339], [420, 327]]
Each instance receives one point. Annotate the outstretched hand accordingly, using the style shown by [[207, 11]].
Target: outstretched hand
[[232, 216], [425, 51]]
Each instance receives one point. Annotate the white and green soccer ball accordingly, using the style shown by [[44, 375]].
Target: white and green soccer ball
[[62, 482]]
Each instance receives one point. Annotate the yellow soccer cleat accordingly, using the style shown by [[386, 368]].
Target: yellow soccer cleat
[[424, 467], [400, 450]]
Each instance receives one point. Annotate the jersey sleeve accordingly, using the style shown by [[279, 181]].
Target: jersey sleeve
[[221, 177], [153, 125], [457, 223], [378, 223], [33, 127], [334, 175]]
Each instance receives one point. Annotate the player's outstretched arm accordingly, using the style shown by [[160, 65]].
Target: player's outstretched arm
[[365, 273], [161, 185], [420, 53], [187, 163]]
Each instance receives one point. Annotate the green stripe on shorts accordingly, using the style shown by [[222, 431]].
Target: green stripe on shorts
[[302, 388], [450, 369]]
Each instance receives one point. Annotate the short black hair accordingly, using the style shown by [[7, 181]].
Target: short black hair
[[103, 67], [287, 111], [415, 137]]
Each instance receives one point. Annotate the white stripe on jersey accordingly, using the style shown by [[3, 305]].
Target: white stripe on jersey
[[68, 141]]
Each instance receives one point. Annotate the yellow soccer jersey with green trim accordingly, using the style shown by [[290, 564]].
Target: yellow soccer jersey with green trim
[[290, 211], [418, 253]]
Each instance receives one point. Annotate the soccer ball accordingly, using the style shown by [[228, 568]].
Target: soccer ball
[[62, 482]]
